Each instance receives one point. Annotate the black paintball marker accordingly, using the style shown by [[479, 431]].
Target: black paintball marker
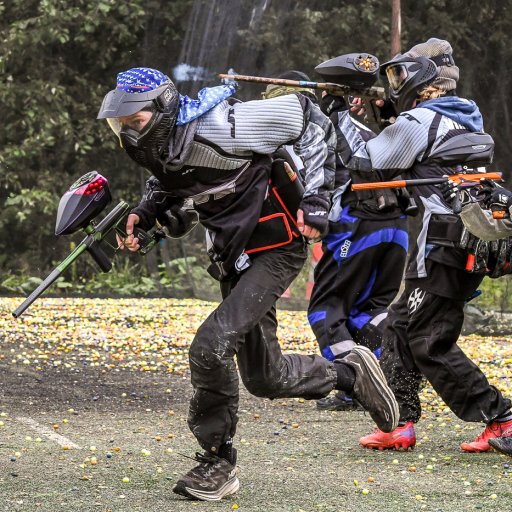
[[351, 75], [78, 207]]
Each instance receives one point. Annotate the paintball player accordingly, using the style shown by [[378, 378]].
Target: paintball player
[[362, 264], [481, 224], [215, 152], [420, 337], [353, 287]]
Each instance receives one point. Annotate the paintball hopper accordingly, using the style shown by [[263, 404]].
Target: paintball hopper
[[356, 70], [84, 200]]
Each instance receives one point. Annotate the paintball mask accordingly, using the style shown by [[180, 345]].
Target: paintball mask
[[143, 90], [426, 63], [406, 77]]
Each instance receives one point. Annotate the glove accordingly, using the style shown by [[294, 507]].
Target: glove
[[387, 113], [316, 210], [178, 221], [495, 197], [451, 194], [449, 189], [330, 104], [386, 199]]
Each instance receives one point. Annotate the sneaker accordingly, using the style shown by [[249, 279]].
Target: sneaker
[[402, 438], [211, 480], [338, 402], [371, 389], [492, 430], [503, 443]]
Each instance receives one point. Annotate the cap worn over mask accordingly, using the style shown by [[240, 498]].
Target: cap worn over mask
[[441, 52], [142, 89], [424, 64]]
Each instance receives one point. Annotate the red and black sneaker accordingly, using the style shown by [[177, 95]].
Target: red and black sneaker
[[402, 438], [492, 431]]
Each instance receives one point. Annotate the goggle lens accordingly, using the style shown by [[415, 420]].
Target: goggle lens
[[397, 76]]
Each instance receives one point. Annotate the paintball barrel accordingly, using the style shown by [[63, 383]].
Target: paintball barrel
[[353, 74], [84, 200], [461, 178], [469, 179]]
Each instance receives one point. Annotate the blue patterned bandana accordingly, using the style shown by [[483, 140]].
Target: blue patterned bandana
[[207, 98], [140, 80], [137, 80]]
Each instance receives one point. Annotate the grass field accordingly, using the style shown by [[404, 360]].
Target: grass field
[[93, 408]]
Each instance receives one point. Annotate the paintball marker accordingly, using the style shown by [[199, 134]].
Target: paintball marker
[[353, 74], [78, 207], [463, 179]]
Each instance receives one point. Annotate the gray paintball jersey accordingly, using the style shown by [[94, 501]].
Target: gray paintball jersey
[[221, 162], [403, 148]]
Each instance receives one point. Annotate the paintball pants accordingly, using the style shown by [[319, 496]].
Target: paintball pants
[[356, 280], [245, 325], [420, 339]]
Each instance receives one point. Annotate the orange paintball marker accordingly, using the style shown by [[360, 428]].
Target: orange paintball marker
[[463, 179]]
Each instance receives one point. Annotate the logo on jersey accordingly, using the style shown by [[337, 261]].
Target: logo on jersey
[[344, 248], [415, 299]]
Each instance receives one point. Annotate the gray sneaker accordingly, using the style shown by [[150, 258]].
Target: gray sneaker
[[211, 480], [338, 402], [371, 389], [504, 443]]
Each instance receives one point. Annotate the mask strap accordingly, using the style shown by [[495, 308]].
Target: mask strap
[[443, 60]]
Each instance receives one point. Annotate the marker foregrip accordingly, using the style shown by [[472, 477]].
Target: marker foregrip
[[456, 203]]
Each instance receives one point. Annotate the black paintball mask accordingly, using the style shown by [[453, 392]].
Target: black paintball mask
[[407, 76], [148, 146]]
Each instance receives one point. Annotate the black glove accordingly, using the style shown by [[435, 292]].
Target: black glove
[[329, 104], [387, 113], [495, 197], [316, 210], [451, 194], [386, 199], [449, 189], [178, 221]]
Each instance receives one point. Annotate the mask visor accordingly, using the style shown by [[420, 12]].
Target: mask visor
[[115, 126], [397, 75]]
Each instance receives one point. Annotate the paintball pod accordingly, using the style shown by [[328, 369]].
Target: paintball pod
[[78, 207], [353, 74]]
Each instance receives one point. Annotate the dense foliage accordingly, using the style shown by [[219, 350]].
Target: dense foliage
[[59, 57]]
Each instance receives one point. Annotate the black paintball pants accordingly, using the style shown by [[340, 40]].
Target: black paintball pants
[[420, 339], [356, 280], [244, 325]]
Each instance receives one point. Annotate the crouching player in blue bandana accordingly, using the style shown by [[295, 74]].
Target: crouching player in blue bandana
[[215, 153]]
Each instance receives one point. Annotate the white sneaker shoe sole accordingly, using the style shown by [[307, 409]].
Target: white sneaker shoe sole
[[378, 380], [230, 487]]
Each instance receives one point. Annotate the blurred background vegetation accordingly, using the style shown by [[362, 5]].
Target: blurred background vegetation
[[58, 58]]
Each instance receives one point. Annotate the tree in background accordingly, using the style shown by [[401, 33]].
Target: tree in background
[[59, 57]]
